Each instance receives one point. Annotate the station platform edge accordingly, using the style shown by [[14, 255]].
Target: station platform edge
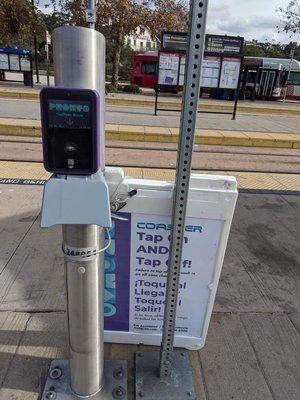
[[13, 172], [166, 103], [32, 128]]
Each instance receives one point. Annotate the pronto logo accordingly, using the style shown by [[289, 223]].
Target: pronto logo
[[167, 227], [69, 107]]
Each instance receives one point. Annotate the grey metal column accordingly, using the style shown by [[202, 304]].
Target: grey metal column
[[91, 8], [79, 60], [196, 42], [84, 282]]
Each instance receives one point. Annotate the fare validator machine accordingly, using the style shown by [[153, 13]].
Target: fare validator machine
[[70, 128], [77, 197]]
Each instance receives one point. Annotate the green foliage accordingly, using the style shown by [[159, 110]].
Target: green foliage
[[132, 89], [18, 19], [111, 88], [54, 20], [123, 88], [268, 50], [125, 60]]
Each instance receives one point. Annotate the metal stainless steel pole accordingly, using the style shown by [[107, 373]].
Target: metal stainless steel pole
[[35, 52], [91, 6], [196, 40], [79, 57], [79, 61], [292, 53], [84, 282], [48, 64]]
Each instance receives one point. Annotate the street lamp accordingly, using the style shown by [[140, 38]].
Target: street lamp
[[35, 52]]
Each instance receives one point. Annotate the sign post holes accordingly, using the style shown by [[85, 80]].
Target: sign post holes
[[167, 375]]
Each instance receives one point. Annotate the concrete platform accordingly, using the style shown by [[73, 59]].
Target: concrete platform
[[253, 345], [32, 128], [167, 101]]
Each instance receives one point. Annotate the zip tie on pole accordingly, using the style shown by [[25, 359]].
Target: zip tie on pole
[[81, 254]]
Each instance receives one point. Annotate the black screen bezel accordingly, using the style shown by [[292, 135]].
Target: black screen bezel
[[76, 95]]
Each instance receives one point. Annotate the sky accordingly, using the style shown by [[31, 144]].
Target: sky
[[252, 19]]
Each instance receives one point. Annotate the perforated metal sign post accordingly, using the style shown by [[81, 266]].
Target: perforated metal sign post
[[171, 382]]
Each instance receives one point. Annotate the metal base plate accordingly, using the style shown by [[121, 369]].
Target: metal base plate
[[115, 387], [148, 384]]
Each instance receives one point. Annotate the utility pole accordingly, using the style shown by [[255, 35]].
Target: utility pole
[[292, 54], [35, 52], [91, 14], [48, 42]]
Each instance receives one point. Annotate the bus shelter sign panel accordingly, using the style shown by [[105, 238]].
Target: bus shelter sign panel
[[224, 44], [135, 276], [210, 72], [230, 73], [14, 62], [168, 68], [4, 64], [25, 63]]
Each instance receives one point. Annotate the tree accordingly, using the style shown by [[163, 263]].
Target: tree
[[117, 19], [168, 15], [291, 17], [268, 50], [18, 19], [53, 20]]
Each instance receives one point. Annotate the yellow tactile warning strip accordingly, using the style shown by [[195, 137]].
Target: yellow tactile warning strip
[[246, 180], [175, 104], [23, 170], [32, 128]]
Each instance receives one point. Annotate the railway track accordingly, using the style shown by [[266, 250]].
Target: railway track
[[163, 155]]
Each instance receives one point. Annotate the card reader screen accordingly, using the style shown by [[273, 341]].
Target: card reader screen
[[71, 130], [69, 114]]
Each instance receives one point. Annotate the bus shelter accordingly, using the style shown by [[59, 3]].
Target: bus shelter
[[221, 68], [17, 60]]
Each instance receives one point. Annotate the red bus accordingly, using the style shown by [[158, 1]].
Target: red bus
[[144, 69]]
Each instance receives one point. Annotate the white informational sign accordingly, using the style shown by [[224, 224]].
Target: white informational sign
[[210, 72], [230, 73], [91, 16], [150, 236], [4, 62], [48, 38], [168, 69], [14, 62], [136, 261], [182, 69], [25, 63]]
